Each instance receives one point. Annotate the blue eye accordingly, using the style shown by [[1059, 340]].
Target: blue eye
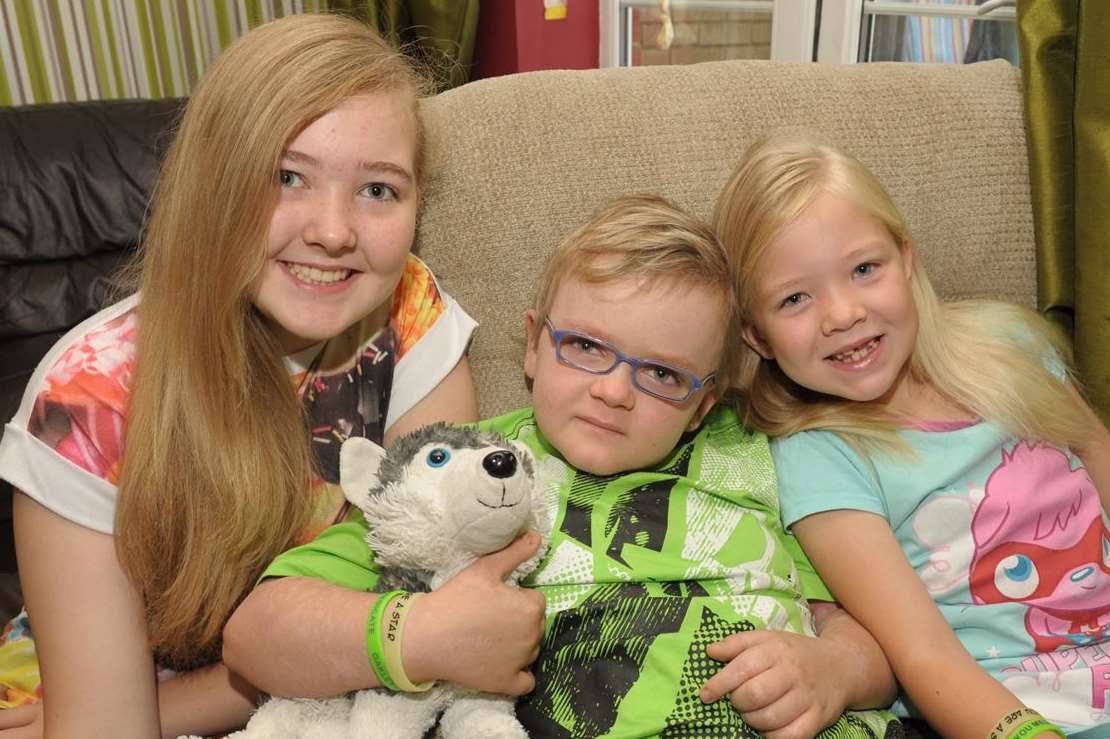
[[438, 457], [1016, 577]]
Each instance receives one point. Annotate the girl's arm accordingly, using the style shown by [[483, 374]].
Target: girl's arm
[[90, 638], [90, 628], [453, 400], [861, 562], [207, 702], [867, 677], [301, 637]]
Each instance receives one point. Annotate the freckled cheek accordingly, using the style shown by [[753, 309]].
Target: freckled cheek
[[387, 247], [283, 231]]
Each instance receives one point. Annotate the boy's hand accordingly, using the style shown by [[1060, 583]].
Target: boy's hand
[[783, 684], [477, 631]]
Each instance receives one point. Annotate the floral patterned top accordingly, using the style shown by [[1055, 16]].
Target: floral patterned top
[[65, 445]]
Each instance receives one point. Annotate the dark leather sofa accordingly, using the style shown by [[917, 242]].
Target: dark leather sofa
[[74, 184]]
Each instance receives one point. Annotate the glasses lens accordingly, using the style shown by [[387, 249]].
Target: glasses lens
[[664, 381], [589, 354]]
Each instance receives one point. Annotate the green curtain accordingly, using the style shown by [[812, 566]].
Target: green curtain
[[1065, 58], [440, 32]]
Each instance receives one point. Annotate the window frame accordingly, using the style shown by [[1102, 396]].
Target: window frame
[[796, 34]]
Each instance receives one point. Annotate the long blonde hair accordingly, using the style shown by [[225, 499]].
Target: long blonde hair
[[641, 237], [987, 357], [217, 463]]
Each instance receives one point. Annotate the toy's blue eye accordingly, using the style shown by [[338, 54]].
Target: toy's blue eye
[[1016, 577], [438, 457]]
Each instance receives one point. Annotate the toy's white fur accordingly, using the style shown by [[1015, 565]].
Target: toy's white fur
[[427, 520]]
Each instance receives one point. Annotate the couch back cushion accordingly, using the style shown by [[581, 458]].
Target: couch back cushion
[[74, 183], [517, 162]]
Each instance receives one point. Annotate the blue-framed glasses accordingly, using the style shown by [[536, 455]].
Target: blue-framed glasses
[[582, 351]]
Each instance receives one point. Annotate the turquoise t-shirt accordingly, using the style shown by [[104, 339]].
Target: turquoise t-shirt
[[1009, 538]]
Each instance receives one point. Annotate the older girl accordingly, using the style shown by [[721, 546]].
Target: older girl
[[169, 447], [934, 460]]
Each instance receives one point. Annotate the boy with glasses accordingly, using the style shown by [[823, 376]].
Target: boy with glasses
[[667, 536], [667, 555]]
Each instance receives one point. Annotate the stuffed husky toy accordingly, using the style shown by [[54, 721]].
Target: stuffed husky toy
[[437, 500]]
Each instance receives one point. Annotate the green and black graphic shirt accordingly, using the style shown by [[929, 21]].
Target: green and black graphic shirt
[[645, 569]]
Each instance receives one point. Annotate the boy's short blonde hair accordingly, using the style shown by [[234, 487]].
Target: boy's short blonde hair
[[645, 238]]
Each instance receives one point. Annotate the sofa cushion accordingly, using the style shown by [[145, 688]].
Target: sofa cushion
[[516, 162], [73, 192]]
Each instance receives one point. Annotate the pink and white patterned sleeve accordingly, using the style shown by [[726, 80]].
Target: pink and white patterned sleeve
[[64, 445]]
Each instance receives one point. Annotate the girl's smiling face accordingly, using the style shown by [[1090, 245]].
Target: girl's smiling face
[[833, 306], [345, 219]]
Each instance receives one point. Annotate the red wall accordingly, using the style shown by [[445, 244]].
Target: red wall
[[514, 37]]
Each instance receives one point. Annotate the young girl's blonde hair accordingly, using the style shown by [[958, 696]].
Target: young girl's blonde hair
[[642, 237], [988, 357], [217, 463]]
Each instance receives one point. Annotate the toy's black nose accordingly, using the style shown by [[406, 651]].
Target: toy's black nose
[[500, 464]]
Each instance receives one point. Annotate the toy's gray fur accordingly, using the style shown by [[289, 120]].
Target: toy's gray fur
[[401, 454], [404, 449], [427, 521]]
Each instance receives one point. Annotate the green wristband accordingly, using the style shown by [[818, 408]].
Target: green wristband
[[1032, 727], [375, 650]]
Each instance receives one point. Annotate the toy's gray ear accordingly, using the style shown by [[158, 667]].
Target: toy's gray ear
[[359, 461]]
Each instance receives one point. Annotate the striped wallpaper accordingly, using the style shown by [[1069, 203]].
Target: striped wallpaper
[[65, 50]]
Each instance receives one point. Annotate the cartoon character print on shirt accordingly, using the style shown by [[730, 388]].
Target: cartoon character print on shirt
[[1055, 564], [941, 525], [1057, 560]]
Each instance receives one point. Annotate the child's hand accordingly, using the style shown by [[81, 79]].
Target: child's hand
[[476, 630], [778, 681], [23, 722]]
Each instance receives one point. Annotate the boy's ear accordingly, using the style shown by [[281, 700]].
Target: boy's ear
[[531, 327], [708, 400], [753, 339]]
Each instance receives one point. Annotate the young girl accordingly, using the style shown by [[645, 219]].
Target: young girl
[[170, 446], [934, 460]]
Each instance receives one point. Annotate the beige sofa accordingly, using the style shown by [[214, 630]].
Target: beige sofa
[[517, 162]]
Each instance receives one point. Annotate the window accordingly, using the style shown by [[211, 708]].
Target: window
[[944, 31], [638, 33], [649, 32]]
